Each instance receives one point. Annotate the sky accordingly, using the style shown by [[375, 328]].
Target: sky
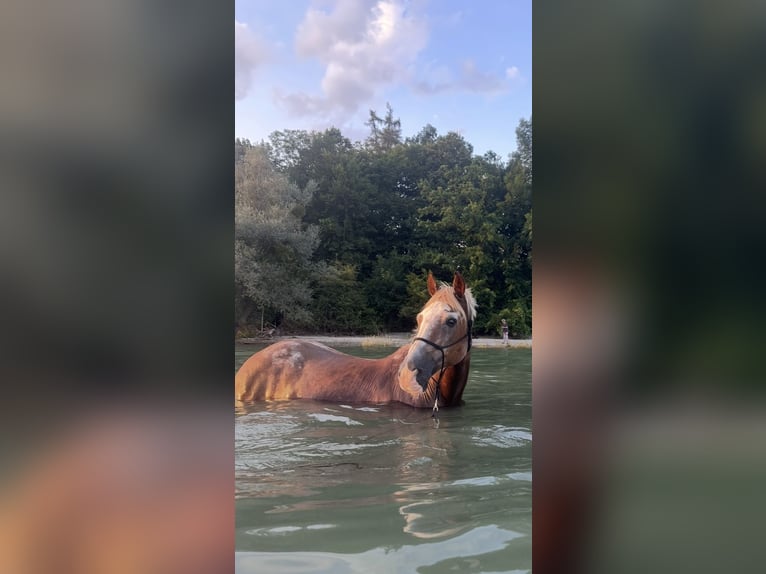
[[313, 64]]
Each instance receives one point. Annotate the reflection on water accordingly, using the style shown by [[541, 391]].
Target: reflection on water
[[325, 487]]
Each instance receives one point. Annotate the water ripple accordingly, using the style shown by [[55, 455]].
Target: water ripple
[[333, 418], [501, 436], [456, 552], [282, 530]]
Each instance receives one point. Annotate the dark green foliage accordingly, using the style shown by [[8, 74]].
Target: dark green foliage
[[416, 295], [387, 291], [340, 304], [387, 211]]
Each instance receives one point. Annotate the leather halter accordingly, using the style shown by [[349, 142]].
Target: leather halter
[[441, 348]]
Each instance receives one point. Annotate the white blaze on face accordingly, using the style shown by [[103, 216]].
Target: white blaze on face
[[433, 324]]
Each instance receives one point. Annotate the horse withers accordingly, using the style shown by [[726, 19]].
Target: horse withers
[[430, 370]]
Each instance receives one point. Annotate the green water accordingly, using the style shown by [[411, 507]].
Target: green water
[[338, 488]]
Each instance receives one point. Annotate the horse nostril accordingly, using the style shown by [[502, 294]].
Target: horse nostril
[[411, 365]]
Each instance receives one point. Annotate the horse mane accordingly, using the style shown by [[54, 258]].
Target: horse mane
[[447, 289]]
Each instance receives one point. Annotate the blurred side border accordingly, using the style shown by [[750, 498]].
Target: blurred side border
[[648, 400], [116, 234]]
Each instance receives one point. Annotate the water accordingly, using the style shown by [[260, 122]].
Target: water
[[342, 488]]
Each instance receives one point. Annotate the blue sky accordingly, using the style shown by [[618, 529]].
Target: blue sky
[[311, 64]]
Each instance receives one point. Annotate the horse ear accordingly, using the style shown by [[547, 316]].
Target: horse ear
[[458, 285], [432, 288]]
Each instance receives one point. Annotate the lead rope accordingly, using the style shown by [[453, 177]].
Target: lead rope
[[435, 411]]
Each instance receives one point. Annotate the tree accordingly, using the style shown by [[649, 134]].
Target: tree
[[385, 133], [370, 219], [427, 135], [523, 153], [373, 122], [240, 147], [392, 130], [343, 210], [477, 216], [459, 227], [272, 247], [517, 205], [517, 230]]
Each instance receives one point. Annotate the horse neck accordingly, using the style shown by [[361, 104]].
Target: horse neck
[[454, 380], [382, 372]]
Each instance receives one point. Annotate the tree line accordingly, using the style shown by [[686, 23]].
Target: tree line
[[336, 236]]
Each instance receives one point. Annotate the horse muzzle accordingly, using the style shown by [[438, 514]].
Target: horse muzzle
[[410, 381], [416, 370]]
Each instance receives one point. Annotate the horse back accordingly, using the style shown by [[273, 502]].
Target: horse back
[[275, 372], [293, 369]]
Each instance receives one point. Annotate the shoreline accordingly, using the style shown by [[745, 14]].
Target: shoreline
[[389, 340]]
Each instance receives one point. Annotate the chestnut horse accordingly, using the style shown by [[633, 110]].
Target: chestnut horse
[[431, 371]]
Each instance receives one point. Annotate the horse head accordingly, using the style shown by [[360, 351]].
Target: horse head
[[443, 335]]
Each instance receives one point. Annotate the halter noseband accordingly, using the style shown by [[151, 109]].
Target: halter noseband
[[441, 348]]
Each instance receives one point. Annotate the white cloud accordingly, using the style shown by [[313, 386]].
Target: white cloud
[[512, 73], [363, 46], [249, 53]]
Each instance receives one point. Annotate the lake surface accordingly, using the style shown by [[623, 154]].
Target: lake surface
[[340, 488]]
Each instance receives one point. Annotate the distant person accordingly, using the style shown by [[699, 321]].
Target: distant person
[[504, 329]]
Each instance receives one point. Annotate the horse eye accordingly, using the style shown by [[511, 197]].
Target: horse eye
[[451, 321]]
